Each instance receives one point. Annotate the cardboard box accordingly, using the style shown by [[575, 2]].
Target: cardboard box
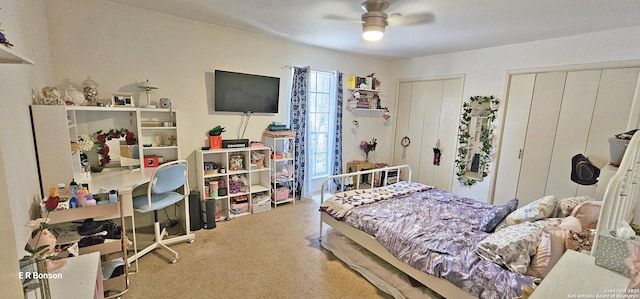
[[612, 251]]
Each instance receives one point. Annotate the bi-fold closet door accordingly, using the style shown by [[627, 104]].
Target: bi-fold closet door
[[550, 117], [428, 112]]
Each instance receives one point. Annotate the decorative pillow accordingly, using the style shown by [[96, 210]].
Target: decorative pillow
[[566, 205], [489, 222], [539, 209], [587, 212], [549, 251], [512, 246], [549, 222]]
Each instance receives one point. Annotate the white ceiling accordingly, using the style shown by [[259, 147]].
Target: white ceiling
[[457, 25]]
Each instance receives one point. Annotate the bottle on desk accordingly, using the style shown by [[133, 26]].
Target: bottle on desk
[[82, 198], [90, 201], [73, 194], [113, 196]]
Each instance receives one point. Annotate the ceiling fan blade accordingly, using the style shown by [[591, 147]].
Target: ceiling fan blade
[[396, 19], [341, 18]]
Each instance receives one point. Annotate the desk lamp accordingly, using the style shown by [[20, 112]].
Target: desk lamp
[[148, 86]]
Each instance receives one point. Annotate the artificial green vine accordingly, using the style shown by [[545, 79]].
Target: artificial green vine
[[486, 138]]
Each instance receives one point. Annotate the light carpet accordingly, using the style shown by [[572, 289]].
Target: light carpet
[[275, 254]]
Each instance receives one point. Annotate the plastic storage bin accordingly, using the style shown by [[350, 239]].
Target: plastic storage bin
[[260, 207], [281, 194], [617, 147], [238, 208]]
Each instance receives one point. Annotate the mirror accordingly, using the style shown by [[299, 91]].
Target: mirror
[[114, 148], [475, 139], [123, 155]]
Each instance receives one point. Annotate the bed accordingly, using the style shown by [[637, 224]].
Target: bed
[[444, 249]]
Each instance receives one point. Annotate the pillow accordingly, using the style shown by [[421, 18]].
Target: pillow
[[549, 222], [587, 212], [566, 205], [549, 251], [512, 246], [539, 209], [571, 223], [489, 222]]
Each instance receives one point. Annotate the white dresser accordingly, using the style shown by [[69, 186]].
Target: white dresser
[[577, 276]]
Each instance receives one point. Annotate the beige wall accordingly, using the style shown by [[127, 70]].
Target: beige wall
[[119, 46], [24, 24], [485, 70]]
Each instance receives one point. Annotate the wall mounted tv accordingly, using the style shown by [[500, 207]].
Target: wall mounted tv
[[238, 92]]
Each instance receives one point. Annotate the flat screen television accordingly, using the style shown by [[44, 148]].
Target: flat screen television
[[238, 92]]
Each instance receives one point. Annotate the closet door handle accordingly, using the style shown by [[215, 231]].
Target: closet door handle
[[519, 154]]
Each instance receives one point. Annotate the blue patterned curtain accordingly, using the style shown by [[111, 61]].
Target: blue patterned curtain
[[298, 123], [337, 148]]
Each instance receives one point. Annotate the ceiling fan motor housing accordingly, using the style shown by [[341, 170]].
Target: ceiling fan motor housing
[[375, 5], [374, 18]]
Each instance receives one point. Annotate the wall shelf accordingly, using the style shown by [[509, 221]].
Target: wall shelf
[[365, 109], [9, 56]]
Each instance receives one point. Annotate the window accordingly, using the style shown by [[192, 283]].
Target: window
[[320, 129]]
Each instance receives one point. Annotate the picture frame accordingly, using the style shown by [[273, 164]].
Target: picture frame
[[122, 100]]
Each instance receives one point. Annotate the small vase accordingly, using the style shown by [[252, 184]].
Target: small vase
[[215, 142], [366, 157]]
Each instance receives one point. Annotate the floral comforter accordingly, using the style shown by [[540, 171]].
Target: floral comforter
[[340, 203], [437, 233]]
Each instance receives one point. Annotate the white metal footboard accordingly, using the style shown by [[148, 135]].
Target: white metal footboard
[[439, 285], [403, 172], [621, 195]]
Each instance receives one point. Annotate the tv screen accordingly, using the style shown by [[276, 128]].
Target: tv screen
[[238, 92]]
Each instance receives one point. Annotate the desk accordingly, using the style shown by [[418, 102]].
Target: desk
[[577, 276], [125, 181]]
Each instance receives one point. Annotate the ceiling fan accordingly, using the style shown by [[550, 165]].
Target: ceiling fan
[[375, 19]]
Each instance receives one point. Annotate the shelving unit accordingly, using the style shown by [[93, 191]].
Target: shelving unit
[[372, 96], [283, 187], [158, 128], [110, 249], [56, 126], [243, 185]]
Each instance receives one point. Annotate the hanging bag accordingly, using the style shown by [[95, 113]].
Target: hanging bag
[[583, 171]]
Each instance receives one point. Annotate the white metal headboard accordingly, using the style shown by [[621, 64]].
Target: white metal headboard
[[621, 195]]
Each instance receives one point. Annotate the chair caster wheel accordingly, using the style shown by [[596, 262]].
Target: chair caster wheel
[[191, 241], [173, 260]]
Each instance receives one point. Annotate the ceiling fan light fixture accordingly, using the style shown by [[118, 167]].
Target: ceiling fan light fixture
[[372, 32], [373, 24]]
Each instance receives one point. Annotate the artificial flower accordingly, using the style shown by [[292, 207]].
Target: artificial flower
[[102, 138], [85, 143], [368, 146]]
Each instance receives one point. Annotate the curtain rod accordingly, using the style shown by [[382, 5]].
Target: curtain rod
[[290, 67]]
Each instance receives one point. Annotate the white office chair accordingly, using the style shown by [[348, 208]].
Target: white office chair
[[161, 193]]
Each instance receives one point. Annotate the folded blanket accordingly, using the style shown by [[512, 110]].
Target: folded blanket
[[340, 203]]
